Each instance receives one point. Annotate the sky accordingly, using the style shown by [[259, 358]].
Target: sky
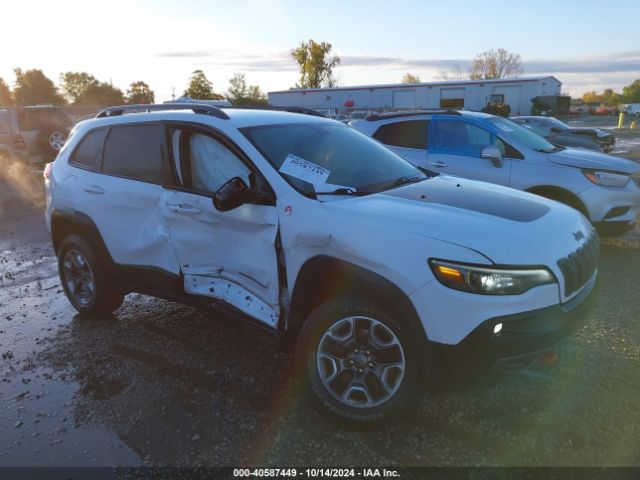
[[587, 45]]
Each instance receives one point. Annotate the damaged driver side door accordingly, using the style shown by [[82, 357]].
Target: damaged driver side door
[[228, 255]]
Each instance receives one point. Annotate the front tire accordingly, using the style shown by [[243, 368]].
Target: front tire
[[359, 362], [83, 278]]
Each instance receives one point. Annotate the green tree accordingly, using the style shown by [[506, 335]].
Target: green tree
[[32, 87], [631, 93], [74, 84], [495, 64], [100, 94], [139, 92], [591, 97], [6, 98], [239, 93], [316, 64], [611, 97], [200, 88], [410, 78]]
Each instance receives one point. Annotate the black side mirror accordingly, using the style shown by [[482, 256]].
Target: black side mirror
[[232, 194]]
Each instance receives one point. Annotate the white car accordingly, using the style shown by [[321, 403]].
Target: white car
[[606, 189], [368, 266]]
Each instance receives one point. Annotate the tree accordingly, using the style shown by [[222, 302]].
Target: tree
[[100, 94], [6, 98], [74, 84], [34, 88], [494, 64], [611, 97], [316, 64], [591, 97], [239, 93], [139, 92], [409, 78], [200, 88], [631, 93]]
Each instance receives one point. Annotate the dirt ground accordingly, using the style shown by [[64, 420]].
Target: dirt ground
[[164, 384]]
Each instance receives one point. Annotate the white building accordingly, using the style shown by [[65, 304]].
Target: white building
[[467, 94]]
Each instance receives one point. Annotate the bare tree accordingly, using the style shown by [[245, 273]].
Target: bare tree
[[456, 74], [494, 64]]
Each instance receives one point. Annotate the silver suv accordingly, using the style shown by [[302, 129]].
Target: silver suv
[[479, 146]]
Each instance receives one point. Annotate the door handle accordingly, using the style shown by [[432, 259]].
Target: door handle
[[94, 189], [184, 209], [438, 164]]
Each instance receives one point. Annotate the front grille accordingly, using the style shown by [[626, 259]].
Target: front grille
[[636, 178], [578, 267]]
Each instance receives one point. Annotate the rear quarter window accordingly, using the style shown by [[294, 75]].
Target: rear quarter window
[[88, 153], [409, 134]]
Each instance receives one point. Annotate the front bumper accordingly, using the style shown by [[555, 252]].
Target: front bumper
[[603, 203], [524, 333]]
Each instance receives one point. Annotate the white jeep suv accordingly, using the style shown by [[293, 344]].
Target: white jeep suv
[[366, 264]]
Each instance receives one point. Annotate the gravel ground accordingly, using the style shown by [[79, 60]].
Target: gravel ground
[[164, 384]]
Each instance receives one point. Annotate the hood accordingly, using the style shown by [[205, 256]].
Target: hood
[[574, 157], [596, 132], [507, 226]]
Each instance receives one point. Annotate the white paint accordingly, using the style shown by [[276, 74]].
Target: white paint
[[234, 294], [391, 234]]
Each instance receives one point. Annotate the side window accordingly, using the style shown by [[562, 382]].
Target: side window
[[135, 152], [460, 138], [409, 134], [203, 163], [89, 152]]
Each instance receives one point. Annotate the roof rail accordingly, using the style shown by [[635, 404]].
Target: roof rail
[[195, 107], [411, 113], [292, 109]]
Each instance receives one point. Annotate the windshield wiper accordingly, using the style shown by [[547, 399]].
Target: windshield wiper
[[398, 182], [343, 191]]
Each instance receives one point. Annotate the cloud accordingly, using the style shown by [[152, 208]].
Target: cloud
[[615, 62]]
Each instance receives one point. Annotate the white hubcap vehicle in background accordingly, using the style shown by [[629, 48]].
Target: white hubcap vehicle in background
[[56, 140]]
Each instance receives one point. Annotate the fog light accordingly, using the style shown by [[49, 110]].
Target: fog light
[[497, 328]]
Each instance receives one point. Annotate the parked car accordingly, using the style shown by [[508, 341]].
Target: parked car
[[631, 109], [475, 145], [33, 134], [559, 133], [324, 237]]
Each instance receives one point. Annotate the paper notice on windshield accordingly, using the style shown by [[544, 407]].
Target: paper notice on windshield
[[504, 128], [304, 170]]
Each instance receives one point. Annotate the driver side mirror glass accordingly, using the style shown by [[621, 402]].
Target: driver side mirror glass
[[493, 154], [232, 194]]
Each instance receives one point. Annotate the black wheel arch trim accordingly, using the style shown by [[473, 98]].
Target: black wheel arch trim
[[323, 277], [559, 191]]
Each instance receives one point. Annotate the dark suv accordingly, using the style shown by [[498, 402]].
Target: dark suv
[[33, 134]]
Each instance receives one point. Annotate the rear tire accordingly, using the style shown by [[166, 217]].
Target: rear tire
[[359, 364], [83, 278]]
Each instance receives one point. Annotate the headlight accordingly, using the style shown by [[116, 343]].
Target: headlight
[[607, 179], [489, 281]]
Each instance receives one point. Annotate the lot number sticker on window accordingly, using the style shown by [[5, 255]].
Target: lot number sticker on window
[[304, 170]]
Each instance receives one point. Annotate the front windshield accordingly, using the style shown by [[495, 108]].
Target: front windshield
[[339, 158], [524, 136]]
